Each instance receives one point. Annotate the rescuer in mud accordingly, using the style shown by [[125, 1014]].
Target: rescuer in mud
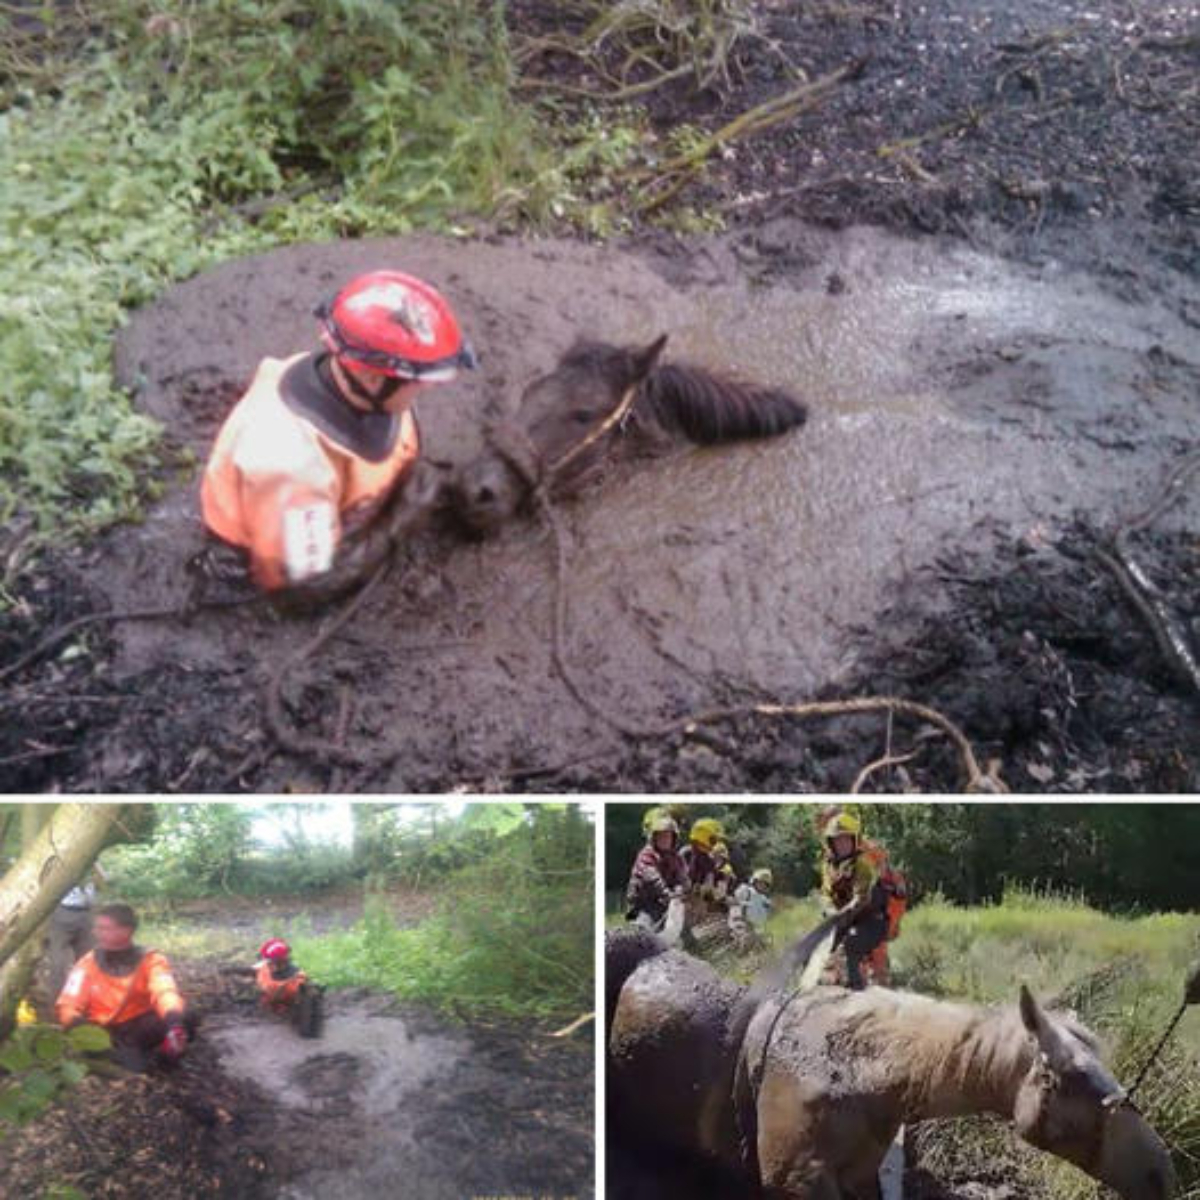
[[850, 885], [128, 991], [658, 874], [284, 990], [315, 474]]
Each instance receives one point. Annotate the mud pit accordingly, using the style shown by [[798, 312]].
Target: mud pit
[[392, 1096], [961, 406]]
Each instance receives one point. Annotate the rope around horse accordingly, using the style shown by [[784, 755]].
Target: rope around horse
[[523, 457]]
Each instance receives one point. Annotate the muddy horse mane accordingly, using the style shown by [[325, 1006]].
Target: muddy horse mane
[[702, 405]]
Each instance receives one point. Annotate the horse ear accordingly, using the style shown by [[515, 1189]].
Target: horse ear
[[646, 358], [1031, 1014]]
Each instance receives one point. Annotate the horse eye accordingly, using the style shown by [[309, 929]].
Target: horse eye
[[581, 416], [485, 495]]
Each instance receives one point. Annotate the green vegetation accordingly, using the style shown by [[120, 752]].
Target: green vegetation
[[507, 889], [41, 1062], [141, 143]]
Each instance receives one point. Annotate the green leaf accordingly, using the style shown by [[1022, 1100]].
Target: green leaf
[[89, 1038], [15, 1056], [38, 1087], [48, 1046], [72, 1072]]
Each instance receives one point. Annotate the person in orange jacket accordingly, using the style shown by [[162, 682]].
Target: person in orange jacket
[[315, 472], [128, 991], [279, 980]]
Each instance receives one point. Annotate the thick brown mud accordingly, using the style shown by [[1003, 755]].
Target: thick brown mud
[[960, 405]]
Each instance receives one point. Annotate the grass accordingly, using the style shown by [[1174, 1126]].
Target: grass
[[1123, 975], [493, 945]]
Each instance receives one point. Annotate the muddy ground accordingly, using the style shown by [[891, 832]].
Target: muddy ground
[[995, 327], [391, 1095]]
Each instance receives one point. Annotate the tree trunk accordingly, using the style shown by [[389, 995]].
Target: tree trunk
[[17, 974], [56, 860]]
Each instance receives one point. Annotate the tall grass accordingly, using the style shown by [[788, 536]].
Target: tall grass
[[517, 948]]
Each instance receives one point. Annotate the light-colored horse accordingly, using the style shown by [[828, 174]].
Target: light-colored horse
[[802, 1095]]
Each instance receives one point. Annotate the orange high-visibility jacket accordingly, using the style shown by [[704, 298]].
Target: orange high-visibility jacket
[[107, 999], [277, 993], [284, 490]]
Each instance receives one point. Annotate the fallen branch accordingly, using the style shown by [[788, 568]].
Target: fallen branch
[[578, 1023], [1140, 590], [676, 172]]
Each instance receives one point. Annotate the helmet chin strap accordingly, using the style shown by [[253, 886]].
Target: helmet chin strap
[[376, 401]]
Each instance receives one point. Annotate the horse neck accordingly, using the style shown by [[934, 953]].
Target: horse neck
[[964, 1060]]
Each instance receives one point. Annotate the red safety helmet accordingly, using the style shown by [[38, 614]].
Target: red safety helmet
[[393, 324], [274, 948]]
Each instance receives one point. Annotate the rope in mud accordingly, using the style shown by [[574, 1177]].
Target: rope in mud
[[515, 447], [1140, 590], [57, 636], [325, 749]]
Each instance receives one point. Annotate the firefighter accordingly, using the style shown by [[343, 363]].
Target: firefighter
[[129, 991], [279, 980], [315, 476], [697, 854], [658, 875], [850, 886], [891, 881]]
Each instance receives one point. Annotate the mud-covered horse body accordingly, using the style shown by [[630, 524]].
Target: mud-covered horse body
[[558, 411], [801, 1096]]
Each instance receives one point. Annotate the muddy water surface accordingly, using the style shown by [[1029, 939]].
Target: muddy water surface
[[954, 397], [362, 1059]]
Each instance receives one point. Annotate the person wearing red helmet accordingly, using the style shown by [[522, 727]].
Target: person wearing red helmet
[[279, 980], [315, 473]]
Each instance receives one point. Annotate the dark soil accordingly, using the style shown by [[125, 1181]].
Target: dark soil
[[513, 1115], [1060, 138]]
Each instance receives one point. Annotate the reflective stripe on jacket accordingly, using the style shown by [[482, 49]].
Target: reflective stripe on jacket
[[104, 999], [282, 489]]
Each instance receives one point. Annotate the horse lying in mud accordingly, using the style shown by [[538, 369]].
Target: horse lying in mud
[[800, 1097], [557, 411]]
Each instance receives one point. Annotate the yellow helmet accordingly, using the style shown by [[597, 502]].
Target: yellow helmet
[[706, 833], [843, 823], [26, 1013], [763, 875]]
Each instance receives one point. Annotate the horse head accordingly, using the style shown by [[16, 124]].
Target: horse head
[[556, 412], [1069, 1104]]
